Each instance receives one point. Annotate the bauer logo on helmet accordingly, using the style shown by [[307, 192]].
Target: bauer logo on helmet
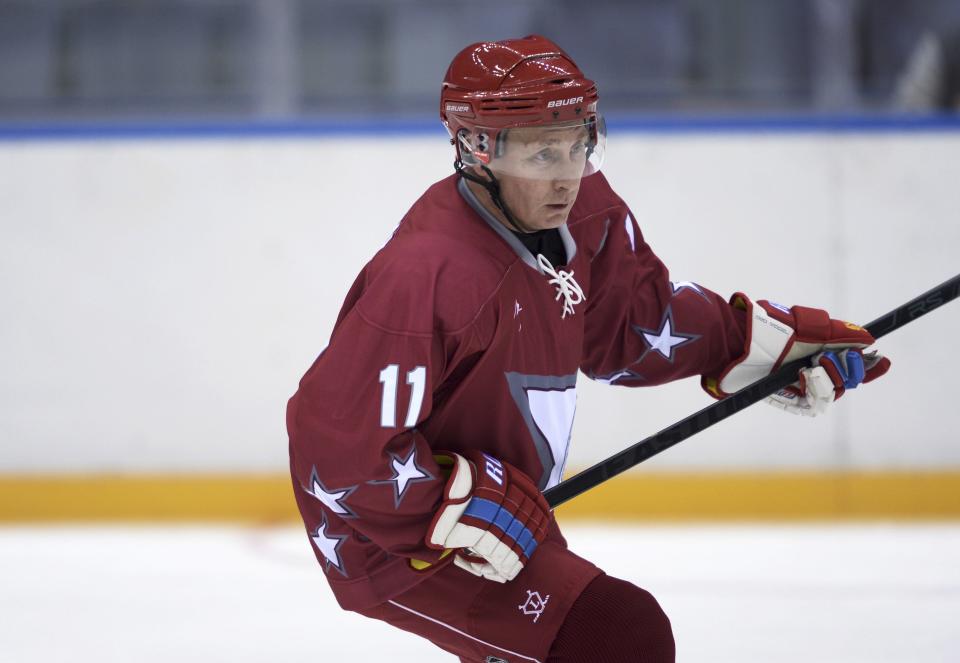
[[564, 102]]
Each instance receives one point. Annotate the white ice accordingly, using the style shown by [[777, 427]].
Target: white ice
[[873, 593]]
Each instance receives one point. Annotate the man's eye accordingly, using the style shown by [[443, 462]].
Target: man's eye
[[577, 148], [543, 156]]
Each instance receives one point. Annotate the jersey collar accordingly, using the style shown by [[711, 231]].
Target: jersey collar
[[569, 245]]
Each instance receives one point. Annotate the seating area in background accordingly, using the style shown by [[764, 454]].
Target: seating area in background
[[291, 59]]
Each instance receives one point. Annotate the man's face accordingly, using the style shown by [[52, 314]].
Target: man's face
[[539, 173]]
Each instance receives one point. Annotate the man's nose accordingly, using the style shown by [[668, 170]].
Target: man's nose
[[569, 174], [566, 181]]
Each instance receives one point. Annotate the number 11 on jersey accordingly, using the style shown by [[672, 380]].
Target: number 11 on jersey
[[389, 376]]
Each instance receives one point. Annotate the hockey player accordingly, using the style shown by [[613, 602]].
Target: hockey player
[[423, 435]]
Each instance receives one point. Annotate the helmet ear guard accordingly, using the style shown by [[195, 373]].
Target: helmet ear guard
[[473, 146], [465, 150]]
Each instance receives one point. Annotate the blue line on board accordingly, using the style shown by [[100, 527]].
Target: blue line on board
[[200, 129], [786, 123], [653, 124]]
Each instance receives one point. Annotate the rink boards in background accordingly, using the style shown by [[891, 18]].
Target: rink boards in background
[[162, 297]]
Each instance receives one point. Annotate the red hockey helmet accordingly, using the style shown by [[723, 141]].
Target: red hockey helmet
[[493, 87]]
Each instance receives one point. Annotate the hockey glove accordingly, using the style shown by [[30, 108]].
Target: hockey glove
[[492, 514], [777, 335]]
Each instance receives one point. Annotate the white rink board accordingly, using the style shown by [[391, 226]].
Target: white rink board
[[161, 298]]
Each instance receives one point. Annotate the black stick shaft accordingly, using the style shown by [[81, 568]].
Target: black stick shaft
[[708, 416]]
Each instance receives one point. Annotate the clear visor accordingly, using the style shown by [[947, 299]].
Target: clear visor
[[563, 151]]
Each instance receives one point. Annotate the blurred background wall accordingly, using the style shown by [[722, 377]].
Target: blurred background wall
[[188, 189], [300, 58]]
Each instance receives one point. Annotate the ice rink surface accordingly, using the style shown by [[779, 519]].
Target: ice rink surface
[[870, 593]]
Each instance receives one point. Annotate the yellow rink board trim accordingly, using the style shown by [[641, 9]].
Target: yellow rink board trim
[[660, 496]]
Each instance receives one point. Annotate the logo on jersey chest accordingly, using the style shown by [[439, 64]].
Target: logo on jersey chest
[[547, 404]]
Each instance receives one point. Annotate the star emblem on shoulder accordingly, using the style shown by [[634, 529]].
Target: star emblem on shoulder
[[332, 499], [406, 471], [680, 286], [664, 340]]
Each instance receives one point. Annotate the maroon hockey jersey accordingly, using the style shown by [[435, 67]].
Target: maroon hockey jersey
[[453, 338]]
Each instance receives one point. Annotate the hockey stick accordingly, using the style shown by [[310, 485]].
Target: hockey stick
[[651, 446]]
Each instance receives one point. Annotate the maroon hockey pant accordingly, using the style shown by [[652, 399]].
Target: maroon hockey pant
[[560, 609]]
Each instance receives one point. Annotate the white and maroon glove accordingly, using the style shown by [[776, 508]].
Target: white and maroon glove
[[492, 514], [777, 335]]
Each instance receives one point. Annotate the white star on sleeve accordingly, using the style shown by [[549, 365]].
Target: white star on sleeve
[[405, 472], [679, 286], [329, 546], [664, 340], [332, 499]]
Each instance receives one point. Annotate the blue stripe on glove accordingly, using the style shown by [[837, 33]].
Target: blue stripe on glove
[[490, 512], [851, 368]]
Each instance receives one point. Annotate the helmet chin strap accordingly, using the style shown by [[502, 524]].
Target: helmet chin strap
[[492, 186]]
